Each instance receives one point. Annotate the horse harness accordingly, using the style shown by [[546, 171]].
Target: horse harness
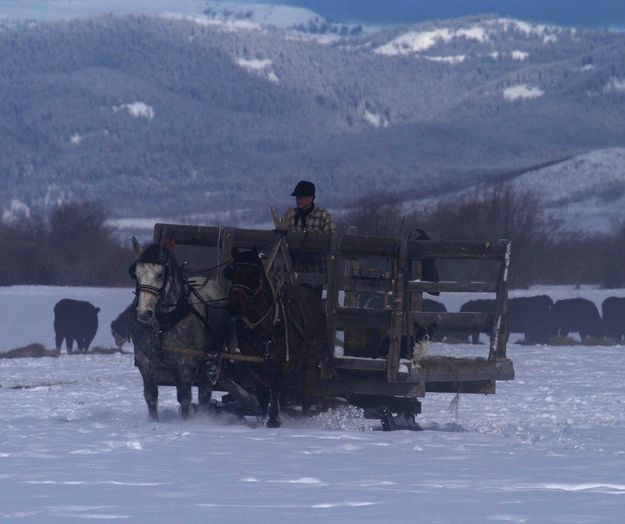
[[266, 339], [182, 307]]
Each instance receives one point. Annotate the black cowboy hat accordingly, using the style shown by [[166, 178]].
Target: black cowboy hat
[[304, 188]]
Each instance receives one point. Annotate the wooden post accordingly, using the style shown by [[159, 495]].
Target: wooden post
[[416, 297], [500, 328], [398, 313], [226, 242], [354, 338], [351, 297], [332, 298], [158, 233]]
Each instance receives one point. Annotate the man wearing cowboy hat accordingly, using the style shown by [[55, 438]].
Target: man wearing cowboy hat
[[306, 216]]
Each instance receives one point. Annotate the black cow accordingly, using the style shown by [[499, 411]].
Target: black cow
[[528, 315], [120, 327], [576, 315], [75, 320], [482, 305], [613, 312], [532, 317]]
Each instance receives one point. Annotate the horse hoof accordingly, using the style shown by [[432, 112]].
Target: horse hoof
[[274, 422], [152, 412]]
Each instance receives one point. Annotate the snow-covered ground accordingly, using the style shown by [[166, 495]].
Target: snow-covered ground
[[76, 444]]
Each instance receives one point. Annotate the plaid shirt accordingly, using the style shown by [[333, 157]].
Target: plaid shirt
[[318, 221]]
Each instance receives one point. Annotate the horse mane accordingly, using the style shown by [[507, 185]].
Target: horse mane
[[155, 254], [247, 257], [209, 289]]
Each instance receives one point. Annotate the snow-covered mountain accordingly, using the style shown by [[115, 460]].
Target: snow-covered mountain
[[487, 37], [585, 193], [231, 104], [234, 15]]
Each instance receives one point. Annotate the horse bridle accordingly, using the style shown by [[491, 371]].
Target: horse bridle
[[252, 295], [180, 309], [158, 292], [242, 288]]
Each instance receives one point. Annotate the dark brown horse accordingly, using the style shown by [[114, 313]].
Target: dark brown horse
[[283, 324]]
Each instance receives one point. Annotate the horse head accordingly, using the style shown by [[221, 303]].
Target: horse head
[[158, 279], [247, 276]]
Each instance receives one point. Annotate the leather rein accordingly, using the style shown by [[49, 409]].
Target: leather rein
[[182, 307], [252, 296]]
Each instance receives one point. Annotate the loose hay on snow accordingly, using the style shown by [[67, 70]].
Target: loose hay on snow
[[35, 350], [98, 350]]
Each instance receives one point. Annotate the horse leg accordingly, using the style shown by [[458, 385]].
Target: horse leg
[[308, 382], [58, 340], [263, 395], [274, 400], [204, 394], [183, 394], [150, 393], [69, 344]]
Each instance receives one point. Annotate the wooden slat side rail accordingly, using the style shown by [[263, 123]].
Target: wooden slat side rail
[[441, 369], [356, 317], [347, 386], [225, 243], [189, 235], [245, 238], [364, 318], [158, 234], [332, 302], [350, 266], [437, 369], [457, 249], [399, 310], [361, 364], [452, 287], [482, 387], [465, 322], [354, 246], [313, 279], [359, 285], [500, 328]]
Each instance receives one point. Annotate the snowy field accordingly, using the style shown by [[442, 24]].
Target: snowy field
[[76, 444]]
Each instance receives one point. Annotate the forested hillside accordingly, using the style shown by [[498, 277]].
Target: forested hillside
[[171, 115]]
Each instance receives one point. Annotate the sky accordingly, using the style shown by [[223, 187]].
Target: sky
[[591, 13]]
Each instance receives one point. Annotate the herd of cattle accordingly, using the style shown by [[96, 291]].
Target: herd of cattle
[[538, 318]]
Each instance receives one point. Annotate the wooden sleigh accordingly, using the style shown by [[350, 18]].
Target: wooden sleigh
[[386, 386]]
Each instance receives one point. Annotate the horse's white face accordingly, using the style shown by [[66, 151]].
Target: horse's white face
[[151, 286]]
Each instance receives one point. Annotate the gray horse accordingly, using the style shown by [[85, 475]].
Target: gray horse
[[178, 321]]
